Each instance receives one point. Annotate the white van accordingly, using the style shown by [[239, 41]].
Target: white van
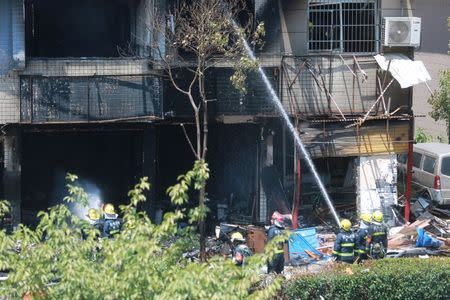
[[431, 171]]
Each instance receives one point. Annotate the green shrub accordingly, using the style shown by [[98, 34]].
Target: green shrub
[[407, 278], [144, 261]]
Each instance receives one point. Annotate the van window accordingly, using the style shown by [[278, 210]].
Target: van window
[[417, 157], [428, 164], [445, 166]]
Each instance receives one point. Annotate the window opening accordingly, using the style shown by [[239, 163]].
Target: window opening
[[345, 26], [417, 157], [82, 28], [428, 164], [445, 166]]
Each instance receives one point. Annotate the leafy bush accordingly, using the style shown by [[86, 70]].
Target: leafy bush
[[63, 258], [422, 136], [408, 278]]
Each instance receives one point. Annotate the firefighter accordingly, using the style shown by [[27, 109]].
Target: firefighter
[[95, 219], [377, 236], [240, 250], [112, 224], [277, 263], [345, 243], [361, 237]]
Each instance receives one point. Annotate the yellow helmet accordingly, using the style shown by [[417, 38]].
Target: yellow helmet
[[366, 217], [109, 209], [346, 224], [377, 216], [237, 236], [93, 214]]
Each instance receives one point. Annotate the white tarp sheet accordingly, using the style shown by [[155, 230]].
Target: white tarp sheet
[[377, 185], [404, 70]]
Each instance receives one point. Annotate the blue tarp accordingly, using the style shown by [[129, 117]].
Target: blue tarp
[[424, 240], [301, 240]]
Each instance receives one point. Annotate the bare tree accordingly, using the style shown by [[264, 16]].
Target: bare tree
[[195, 37]]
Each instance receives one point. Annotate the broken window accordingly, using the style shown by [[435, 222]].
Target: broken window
[[82, 28], [345, 26]]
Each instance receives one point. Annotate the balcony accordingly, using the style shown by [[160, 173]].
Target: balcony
[[84, 99]]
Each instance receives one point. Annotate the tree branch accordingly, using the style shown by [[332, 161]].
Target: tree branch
[[189, 141]]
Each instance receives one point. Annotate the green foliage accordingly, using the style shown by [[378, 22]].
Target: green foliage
[[422, 136], [440, 101], [408, 278], [63, 258], [4, 208]]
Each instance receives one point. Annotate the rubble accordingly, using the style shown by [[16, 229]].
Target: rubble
[[427, 235]]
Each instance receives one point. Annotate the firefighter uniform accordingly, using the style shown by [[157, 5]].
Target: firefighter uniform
[[377, 237], [112, 224], [276, 264], [361, 244], [345, 243], [361, 237]]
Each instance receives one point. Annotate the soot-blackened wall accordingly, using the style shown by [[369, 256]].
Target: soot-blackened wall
[[110, 161], [82, 28]]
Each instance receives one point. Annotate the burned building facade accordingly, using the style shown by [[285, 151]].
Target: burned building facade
[[78, 94]]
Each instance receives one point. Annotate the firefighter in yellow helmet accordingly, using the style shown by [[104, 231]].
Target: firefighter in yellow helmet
[[112, 224], [361, 237], [345, 243], [95, 218], [240, 249], [377, 236]]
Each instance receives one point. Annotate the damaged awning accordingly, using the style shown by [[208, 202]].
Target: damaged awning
[[406, 71]]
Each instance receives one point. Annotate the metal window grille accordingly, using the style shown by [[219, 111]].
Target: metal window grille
[[89, 99], [343, 26]]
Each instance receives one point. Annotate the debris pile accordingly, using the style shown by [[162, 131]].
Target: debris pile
[[428, 235]]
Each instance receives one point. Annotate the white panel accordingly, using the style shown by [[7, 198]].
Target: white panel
[[377, 185]]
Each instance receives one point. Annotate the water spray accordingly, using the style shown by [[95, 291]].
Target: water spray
[[94, 200], [276, 100]]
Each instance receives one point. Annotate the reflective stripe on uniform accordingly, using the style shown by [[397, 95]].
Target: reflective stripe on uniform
[[342, 253], [347, 244], [278, 251], [379, 233], [360, 251], [345, 254]]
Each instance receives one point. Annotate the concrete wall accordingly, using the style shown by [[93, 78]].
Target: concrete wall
[[12, 57], [294, 21], [301, 93], [12, 171]]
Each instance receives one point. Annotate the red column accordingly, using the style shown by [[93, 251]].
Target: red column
[[409, 165]]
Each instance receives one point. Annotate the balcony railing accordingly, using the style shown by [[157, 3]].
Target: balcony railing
[[90, 99]]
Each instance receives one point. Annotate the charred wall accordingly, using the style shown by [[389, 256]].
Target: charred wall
[[73, 90], [232, 157], [109, 161], [85, 28]]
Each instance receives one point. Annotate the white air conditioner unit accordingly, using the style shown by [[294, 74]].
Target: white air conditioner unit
[[401, 32]]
